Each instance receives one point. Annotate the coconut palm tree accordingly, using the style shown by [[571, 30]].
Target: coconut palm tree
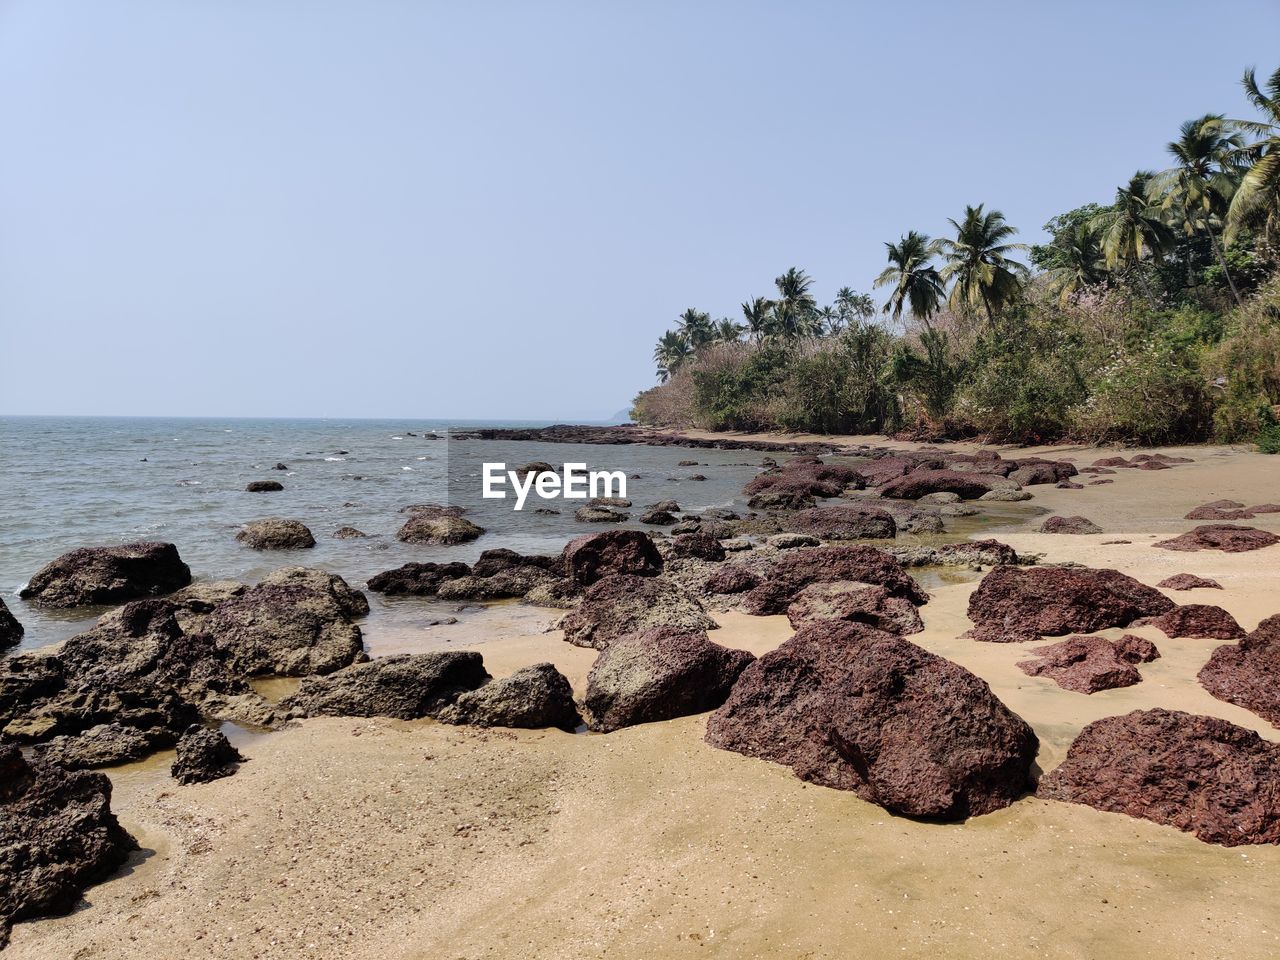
[[793, 289], [759, 315], [672, 350], [696, 328], [726, 331], [978, 262], [1200, 184], [1256, 201], [1132, 229], [853, 306], [1081, 261], [828, 321], [915, 280]]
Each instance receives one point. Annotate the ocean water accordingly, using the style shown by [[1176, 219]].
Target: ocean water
[[85, 481]]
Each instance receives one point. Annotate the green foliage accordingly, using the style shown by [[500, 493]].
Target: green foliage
[[1145, 394], [1268, 439]]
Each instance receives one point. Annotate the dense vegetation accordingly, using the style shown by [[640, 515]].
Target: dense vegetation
[[1153, 318]]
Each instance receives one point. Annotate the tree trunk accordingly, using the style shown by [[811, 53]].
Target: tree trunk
[[1222, 259]]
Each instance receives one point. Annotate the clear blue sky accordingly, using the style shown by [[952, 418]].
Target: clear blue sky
[[493, 209]]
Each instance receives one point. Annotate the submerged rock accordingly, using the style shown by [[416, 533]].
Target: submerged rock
[[405, 686], [99, 575], [1014, 604], [1226, 537], [276, 533], [348, 533], [57, 836], [851, 707], [658, 674], [204, 755], [593, 556], [1200, 774], [264, 486], [624, 603], [531, 698], [1248, 673]]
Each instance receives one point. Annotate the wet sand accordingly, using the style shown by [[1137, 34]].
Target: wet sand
[[378, 838]]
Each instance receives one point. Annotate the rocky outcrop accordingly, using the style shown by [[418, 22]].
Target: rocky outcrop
[[599, 515], [964, 484], [855, 603], [531, 698], [1230, 510], [1090, 664], [1199, 621], [57, 836], [796, 482], [1200, 774], [264, 486], [1031, 471], [734, 578], [1226, 537], [105, 745], [440, 529], [659, 674], [1069, 525], [698, 546], [416, 579], [406, 687], [276, 533], [966, 553], [845, 522], [1014, 604], [794, 570], [851, 707], [351, 601], [624, 603], [1246, 673], [658, 518], [593, 556], [204, 755], [11, 630], [99, 575], [1189, 581]]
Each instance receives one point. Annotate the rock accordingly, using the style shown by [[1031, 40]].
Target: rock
[[687, 463], [57, 836], [792, 541], [11, 630], [264, 486], [348, 533], [1069, 525], [204, 755], [100, 575], [700, 546], [658, 674], [531, 698], [623, 603], [1134, 649], [941, 497], [851, 707], [352, 602], [504, 584], [781, 500], [416, 579], [599, 515], [796, 569], [608, 502], [443, 530], [719, 513], [434, 510], [657, 518], [696, 476], [1033, 471], [966, 553], [967, 486], [1220, 510], [734, 578], [1111, 462], [855, 603], [537, 468], [737, 544], [1159, 458], [560, 594], [1198, 621], [405, 686], [1188, 581], [280, 466], [102, 746], [1245, 673], [1200, 774], [285, 629], [593, 556], [1013, 604], [1220, 536], [798, 482], [851, 522], [1082, 664], [667, 506], [275, 533], [911, 517], [1005, 496]]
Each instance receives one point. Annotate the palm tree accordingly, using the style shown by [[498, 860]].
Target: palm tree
[[793, 289], [978, 261], [1082, 265], [696, 328], [1257, 199], [672, 350], [789, 321], [1200, 184], [851, 305], [828, 320], [759, 315], [1132, 229], [726, 331], [914, 278]]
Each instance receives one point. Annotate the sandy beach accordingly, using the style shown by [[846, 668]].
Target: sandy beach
[[387, 839]]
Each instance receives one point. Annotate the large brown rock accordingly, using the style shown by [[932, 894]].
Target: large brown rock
[[696, 546], [965, 484], [843, 522], [797, 481], [1079, 525], [204, 755], [1248, 673], [96, 575], [441, 529], [796, 569], [1013, 604], [658, 674], [276, 533], [531, 698], [57, 836], [1090, 664], [1226, 537], [1189, 581], [623, 604], [593, 556], [416, 579], [1200, 774], [10, 629], [1031, 471], [406, 686], [851, 707], [855, 603], [1198, 621]]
